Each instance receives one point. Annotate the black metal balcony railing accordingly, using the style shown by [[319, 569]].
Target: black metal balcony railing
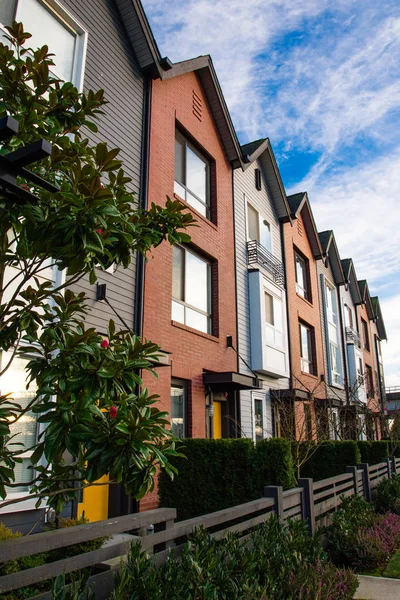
[[258, 255], [353, 337]]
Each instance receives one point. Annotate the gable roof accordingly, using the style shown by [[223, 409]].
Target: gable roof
[[351, 279], [379, 319], [204, 69], [300, 204], [261, 150], [330, 251], [366, 298]]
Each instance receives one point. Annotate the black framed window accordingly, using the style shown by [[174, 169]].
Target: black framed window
[[192, 175], [191, 289], [178, 411], [257, 174], [308, 364], [365, 334], [303, 287]]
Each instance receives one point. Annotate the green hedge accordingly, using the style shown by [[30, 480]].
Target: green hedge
[[328, 459], [214, 475], [217, 474], [373, 452]]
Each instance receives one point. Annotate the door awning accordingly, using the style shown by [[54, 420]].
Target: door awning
[[230, 381]]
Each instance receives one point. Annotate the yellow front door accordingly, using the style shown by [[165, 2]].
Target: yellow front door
[[217, 420], [94, 505]]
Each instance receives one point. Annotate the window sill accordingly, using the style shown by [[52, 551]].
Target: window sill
[[305, 300], [195, 212], [310, 375], [207, 336]]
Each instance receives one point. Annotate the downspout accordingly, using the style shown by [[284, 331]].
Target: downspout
[[236, 393]]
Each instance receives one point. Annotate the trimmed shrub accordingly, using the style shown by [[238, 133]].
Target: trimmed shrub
[[328, 459], [373, 452], [273, 465], [215, 474]]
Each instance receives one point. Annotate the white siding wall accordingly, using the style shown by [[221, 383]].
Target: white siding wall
[[245, 190]]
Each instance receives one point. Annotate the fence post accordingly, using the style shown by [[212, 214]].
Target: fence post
[[355, 478], [388, 466], [308, 502], [367, 483], [275, 492], [394, 468]]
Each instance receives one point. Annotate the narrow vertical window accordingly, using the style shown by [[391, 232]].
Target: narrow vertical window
[[307, 349], [365, 333], [178, 409], [253, 231], [302, 280], [257, 174], [192, 174], [258, 419]]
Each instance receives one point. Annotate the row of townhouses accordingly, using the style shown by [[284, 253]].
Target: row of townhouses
[[265, 329]]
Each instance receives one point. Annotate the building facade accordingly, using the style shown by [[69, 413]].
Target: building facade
[[261, 207]]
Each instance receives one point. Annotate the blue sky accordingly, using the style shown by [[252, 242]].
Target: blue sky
[[322, 81]]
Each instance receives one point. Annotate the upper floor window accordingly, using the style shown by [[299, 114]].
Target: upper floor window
[[379, 349], [192, 176], [178, 415], [191, 289], [369, 381], [257, 174], [258, 228], [348, 316], [365, 334], [57, 30], [331, 304], [303, 287], [273, 320], [307, 349]]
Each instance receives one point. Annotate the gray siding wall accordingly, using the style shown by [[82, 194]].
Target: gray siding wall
[[112, 66], [333, 392], [244, 185]]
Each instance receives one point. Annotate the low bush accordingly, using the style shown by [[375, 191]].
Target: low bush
[[272, 465], [297, 569], [36, 560], [359, 538], [388, 495]]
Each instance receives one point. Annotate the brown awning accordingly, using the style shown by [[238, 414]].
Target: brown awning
[[230, 381]]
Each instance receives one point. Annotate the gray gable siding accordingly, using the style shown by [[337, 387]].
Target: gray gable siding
[[244, 186], [112, 65], [331, 391]]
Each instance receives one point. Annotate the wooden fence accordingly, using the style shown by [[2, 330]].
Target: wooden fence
[[312, 501]]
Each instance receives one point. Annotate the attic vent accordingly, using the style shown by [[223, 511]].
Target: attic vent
[[299, 227], [197, 106], [257, 173]]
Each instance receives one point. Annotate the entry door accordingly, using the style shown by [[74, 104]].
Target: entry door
[[217, 420], [94, 505]]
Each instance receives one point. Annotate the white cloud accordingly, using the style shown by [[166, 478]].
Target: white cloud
[[362, 207]]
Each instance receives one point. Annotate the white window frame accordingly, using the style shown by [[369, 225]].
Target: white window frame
[[60, 13], [259, 398], [348, 312], [261, 222], [277, 330], [302, 290], [305, 361], [190, 306], [180, 383]]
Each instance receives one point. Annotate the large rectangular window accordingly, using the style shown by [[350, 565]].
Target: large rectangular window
[[25, 430], [192, 175], [331, 309], [369, 381], [273, 320], [57, 30], [258, 228], [178, 416], [191, 289], [303, 287], [307, 349], [348, 316]]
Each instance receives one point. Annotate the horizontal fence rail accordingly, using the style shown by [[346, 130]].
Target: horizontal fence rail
[[312, 501]]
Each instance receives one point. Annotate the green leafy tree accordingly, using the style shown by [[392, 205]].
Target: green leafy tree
[[85, 387]]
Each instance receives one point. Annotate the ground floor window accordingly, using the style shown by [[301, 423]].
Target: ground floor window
[[178, 414]]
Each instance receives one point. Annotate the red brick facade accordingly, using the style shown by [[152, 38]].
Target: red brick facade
[[191, 351]]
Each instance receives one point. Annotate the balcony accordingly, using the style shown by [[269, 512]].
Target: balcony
[[260, 256], [352, 337]]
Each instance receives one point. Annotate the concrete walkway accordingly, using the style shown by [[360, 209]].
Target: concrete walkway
[[378, 588]]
